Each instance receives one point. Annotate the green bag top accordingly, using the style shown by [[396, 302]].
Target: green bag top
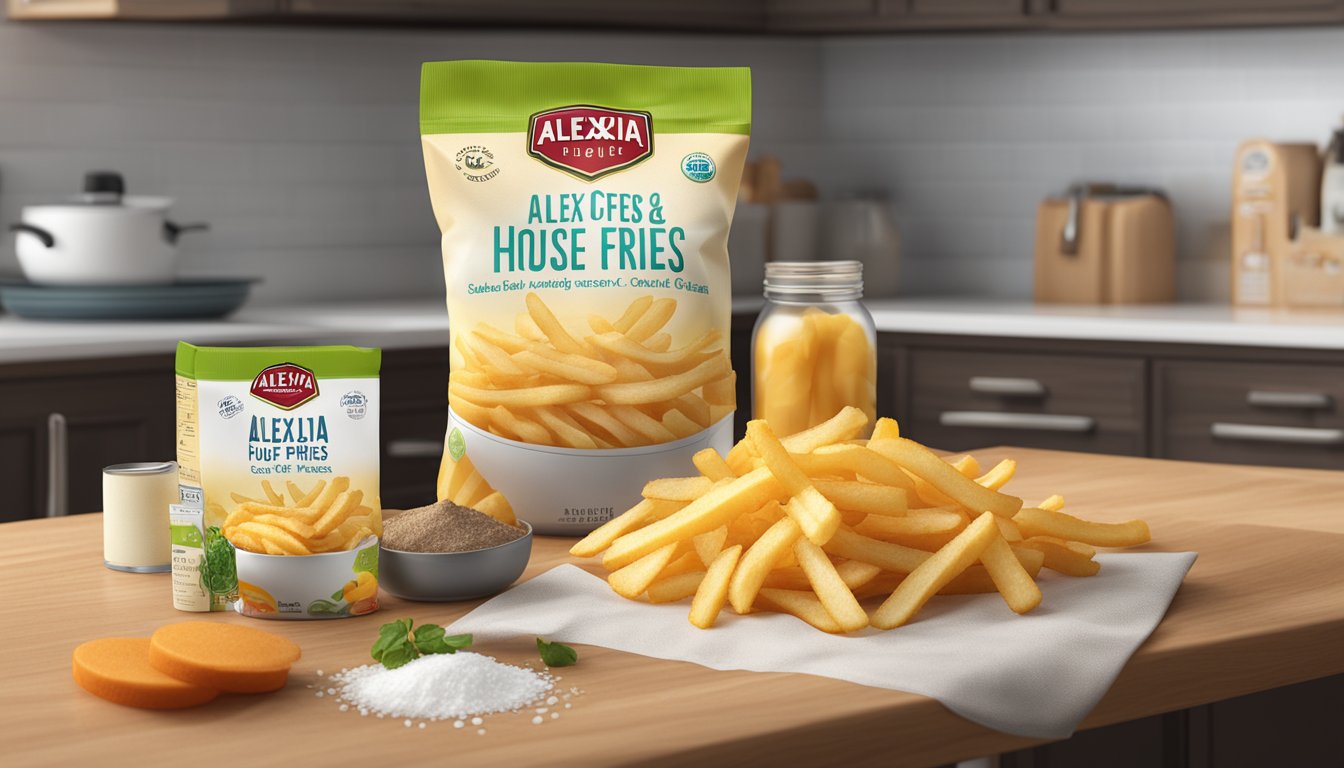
[[475, 96], [243, 363]]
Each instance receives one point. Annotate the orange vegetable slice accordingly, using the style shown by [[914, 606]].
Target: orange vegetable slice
[[117, 669], [229, 657]]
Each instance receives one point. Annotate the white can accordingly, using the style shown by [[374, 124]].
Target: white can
[[136, 529]]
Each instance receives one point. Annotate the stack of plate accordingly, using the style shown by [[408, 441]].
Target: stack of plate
[[186, 298]]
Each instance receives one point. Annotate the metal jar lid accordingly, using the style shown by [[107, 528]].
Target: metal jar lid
[[141, 468]]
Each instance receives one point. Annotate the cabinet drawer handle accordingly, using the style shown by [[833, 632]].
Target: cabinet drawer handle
[[1306, 400], [1010, 387], [1039, 422], [414, 449], [57, 467], [1265, 433]]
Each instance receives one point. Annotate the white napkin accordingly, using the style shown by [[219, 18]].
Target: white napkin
[[1034, 675]]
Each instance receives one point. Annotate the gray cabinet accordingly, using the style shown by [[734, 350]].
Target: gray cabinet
[[778, 16], [1250, 413], [62, 422], [959, 400]]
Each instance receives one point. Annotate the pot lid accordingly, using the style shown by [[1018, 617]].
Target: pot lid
[[108, 189]]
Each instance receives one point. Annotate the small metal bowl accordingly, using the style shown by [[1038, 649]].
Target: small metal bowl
[[448, 576]]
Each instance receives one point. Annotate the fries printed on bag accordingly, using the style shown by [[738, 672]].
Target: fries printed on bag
[[585, 212]]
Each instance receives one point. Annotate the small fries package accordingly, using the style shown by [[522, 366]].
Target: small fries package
[[278, 448], [585, 211]]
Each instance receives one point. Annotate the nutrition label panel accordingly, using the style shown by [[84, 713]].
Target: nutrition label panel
[[188, 433]]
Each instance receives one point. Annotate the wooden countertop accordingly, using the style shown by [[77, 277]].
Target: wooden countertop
[[1262, 607]]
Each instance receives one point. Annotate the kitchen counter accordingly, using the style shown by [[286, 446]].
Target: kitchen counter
[[424, 322], [1260, 609]]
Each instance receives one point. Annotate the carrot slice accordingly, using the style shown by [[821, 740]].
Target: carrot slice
[[117, 669], [229, 657]]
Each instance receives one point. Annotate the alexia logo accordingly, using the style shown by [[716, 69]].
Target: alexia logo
[[286, 386], [590, 142]]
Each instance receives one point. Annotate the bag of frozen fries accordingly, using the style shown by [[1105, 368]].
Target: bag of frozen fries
[[585, 211]]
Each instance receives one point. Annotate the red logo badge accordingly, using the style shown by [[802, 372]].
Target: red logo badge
[[590, 142], [286, 386]]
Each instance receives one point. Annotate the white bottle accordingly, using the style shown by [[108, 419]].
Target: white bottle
[[1332, 186]]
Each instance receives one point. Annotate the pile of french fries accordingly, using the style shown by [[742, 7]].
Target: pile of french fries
[[622, 385], [818, 521], [329, 517]]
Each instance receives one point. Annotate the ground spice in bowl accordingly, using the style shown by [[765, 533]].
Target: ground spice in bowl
[[446, 527]]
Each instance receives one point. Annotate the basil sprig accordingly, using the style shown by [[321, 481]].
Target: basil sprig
[[398, 643]]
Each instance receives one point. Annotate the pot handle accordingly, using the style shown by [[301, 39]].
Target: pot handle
[[171, 230], [41, 234]]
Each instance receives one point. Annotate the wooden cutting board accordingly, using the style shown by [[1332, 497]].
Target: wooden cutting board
[[1263, 607]]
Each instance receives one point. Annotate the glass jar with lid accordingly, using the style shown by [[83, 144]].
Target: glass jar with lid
[[814, 348]]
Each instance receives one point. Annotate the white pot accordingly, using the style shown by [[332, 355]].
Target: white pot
[[114, 241]]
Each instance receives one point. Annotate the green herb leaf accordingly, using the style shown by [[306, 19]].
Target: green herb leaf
[[400, 655], [430, 638], [394, 647], [556, 654]]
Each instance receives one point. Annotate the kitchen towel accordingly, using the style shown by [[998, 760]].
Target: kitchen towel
[[1034, 675]]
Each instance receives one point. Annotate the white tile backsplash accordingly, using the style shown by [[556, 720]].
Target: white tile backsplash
[[299, 144], [969, 132]]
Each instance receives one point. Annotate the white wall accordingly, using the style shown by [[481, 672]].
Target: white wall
[[970, 132], [299, 145]]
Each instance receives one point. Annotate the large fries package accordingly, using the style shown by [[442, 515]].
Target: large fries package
[[278, 448], [585, 212]]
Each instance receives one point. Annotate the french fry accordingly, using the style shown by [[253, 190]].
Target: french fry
[[570, 367], [563, 426], [294, 526], [713, 590], [1067, 557], [868, 498], [885, 555], [633, 579], [717, 507], [760, 557], [645, 425], [341, 508], [498, 507], [712, 465], [522, 397], [933, 574], [999, 476], [802, 604], [652, 320], [679, 424], [279, 538], [1016, 586], [834, 594], [815, 514], [632, 313], [928, 466], [271, 494], [677, 488], [709, 544], [856, 574], [597, 418], [675, 588], [722, 391], [1043, 522], [665, 388], [524, 429], [856, 460], [885, 429], [1053, 504], [551, 327], [600, 538]]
